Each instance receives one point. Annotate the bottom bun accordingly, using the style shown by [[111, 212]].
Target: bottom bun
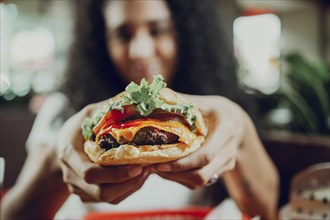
[[146, 154]]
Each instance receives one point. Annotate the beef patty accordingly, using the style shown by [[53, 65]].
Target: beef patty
[[145, 136]]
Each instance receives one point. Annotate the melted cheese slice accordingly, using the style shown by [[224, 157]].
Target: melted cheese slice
[[184, 134]]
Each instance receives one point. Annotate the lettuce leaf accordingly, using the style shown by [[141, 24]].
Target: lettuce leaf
[[184, 109], [145, 96], [88, 125]]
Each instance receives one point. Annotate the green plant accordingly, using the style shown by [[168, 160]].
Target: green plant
[[305, 91]]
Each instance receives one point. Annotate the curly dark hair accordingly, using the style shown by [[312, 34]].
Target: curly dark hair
[[205, 66]]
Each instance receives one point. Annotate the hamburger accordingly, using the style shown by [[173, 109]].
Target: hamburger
[[145, 124]]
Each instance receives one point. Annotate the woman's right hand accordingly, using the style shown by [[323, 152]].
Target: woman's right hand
[[90, 181]]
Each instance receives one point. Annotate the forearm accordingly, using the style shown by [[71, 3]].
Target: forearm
[[39, 191], [254, 181]]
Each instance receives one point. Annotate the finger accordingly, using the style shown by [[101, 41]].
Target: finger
[[183, 182], [117, 174], [223, 162], [228, 166], [104, 192], [138, 186], [84, 197], [191, 179], [220, 163], [76, 184], [204, 155], [96, 174], [114, 193]]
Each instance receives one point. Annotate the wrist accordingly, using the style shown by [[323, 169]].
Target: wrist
[[47, 155]]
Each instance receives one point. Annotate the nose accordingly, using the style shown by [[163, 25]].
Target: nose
[[141, 46]]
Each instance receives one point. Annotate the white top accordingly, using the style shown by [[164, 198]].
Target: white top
[[156, 193]]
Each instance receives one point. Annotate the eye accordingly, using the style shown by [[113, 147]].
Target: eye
[[121, 34], [158, 31]]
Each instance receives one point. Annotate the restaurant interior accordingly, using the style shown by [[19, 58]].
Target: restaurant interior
[[283, 53]]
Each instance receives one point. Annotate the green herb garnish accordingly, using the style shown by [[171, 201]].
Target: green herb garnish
[[145, 96], [89, 123]]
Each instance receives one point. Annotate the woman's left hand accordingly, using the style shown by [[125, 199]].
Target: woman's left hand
[[218, 154], [233, 150]]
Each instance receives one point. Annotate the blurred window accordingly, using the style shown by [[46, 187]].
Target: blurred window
[[33, 48], [257, 48], [34, 38]]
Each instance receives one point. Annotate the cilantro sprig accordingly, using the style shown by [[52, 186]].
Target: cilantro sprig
[[145, 96]]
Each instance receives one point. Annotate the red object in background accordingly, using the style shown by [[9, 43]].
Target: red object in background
[[189, 213], [2, 193], [252, 12]]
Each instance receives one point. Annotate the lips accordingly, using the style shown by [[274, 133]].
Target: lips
[[145, 70]]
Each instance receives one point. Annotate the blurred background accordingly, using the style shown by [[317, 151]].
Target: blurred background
[[282, 47]]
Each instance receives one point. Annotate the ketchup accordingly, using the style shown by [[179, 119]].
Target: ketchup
[[114, 116], [108, 126], [130, 117]]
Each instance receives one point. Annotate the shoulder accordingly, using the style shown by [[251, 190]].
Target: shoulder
[[56, 98], [55, 107], [55, 110]]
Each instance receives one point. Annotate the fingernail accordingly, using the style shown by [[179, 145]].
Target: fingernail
[[163, 167], [135, 171], [152, 169], [145, 173]]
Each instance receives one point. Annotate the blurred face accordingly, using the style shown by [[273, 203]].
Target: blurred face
[[140, 39]]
